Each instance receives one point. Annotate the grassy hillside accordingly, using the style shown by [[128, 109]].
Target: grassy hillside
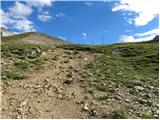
[[19, 58], [116, 81], [32, 37], [21, 53], [123, 62]]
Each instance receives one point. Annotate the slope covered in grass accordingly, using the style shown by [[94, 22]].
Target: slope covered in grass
[[19, 58], [123, 62], [32, 37]]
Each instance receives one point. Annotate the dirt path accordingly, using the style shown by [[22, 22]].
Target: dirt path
[[55, 91]]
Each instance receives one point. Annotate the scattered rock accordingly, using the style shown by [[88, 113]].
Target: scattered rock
[[68, 52], [93, 112], [59, 89], [86, 107], [139, 88], [36, 49], [46, 81], [43, 54], [23, 103], [149, 102], [7, 83], [60, 96], [156, 116], [118, 97], [157, 105], [136, 82], [70, 74], [150, 87], [127, 100], [85, 59], [116, 52], [142, 101], [68, 82], [56, 66], [148, 95]]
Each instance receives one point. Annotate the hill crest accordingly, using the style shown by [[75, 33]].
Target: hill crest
[[32, 37]]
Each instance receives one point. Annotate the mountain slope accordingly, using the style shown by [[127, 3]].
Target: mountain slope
[[5, 32], [32, 37], [79, 81], [155, 39]]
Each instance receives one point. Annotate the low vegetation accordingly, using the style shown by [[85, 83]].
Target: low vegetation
[[123, 62], [121, 82], [21, 58]]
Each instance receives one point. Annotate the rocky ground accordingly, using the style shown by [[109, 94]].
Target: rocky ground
[[64, 88]]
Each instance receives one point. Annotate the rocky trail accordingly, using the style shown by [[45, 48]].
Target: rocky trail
[[53, 92], [64, 88]]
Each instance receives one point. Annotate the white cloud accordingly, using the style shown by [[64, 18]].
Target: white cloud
[[24, 25], [141, 36], [88, 3], [39, 3], [61, 37], [126, 38], [5, 20], [20, 10], [17, 14], [61, 14], [146, 10], [84, 34], [44, 17], [152, 32]]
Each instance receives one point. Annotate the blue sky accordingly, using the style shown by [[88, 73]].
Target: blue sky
[[82, 22]]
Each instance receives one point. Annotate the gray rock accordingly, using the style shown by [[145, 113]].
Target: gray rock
[[142, 101], [86, 107], [149, 95], [156, 116], [118, 97], [37, 50], [116, 52], [93, 112], [127, 100], [139, 88], [136, 82], [70, 74], [60, 97], [85, 59], [45, 81], [150, 87], [68, 82]]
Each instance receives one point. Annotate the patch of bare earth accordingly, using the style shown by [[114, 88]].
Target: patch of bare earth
[[56, 91]]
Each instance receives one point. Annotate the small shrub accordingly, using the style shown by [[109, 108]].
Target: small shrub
[[119, 114]]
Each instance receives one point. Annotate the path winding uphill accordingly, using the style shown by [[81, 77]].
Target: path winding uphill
[[44, 77], [53, 92]]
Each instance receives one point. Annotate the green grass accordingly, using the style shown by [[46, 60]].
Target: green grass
[[15, 38], [18, 69], [18, 37], [23, 59], [146, 116], [13, 73], [134, 62], [21, 50], [119, 114]]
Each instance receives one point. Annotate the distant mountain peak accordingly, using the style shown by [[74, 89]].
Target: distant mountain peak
[[5, 32], [155, 39]]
